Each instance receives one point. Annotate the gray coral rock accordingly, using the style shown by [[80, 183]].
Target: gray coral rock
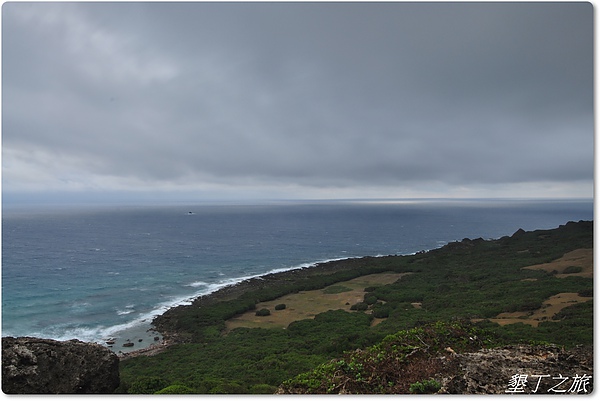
[[42, 366], [539, 369]]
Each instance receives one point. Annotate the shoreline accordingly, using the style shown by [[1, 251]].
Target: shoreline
[[137, 338], [141, 333], [229, 292], [137, 333]]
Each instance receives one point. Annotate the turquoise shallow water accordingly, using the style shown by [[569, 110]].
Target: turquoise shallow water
[[90, 273]]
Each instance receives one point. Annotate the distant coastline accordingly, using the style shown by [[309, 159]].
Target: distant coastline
[[114, 271], [235, 290], [273, 279], [224, 292], [354, 265]]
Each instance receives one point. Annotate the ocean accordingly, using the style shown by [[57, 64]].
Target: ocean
[[95, 272]]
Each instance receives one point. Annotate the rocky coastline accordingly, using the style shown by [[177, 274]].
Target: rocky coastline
[[163, 323]]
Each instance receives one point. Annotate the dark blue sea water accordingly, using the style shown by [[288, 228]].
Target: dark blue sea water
[[90, 272]]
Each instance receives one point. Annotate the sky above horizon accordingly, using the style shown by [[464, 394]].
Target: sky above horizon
[[297, 100]]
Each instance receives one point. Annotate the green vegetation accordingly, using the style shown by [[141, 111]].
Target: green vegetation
[[572, 269], [360, 306], [381, 311], [404, 355], [263, 312], [280, 307], [370, 299], [176, 389], [464, 280], [336, 289], [429, 386]]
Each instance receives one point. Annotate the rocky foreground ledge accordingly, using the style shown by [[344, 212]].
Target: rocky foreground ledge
[[513, 369], [43, 366]]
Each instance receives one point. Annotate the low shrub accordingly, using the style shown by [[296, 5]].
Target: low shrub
[[425, 387], [572, 269], [280, 306], [176, 389], [262, 389], [370, 299], [381, 312], [360, 306], [263, 312], [228, 388], [147, 385]]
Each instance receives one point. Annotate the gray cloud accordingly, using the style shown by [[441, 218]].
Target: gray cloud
[[398, 96]]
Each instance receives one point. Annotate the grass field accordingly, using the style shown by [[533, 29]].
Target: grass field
[[308, 304], [582, 258]]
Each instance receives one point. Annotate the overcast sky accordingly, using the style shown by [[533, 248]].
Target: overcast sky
[[298, 100]]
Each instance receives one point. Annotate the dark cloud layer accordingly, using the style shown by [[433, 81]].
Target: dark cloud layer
[[409, 98]]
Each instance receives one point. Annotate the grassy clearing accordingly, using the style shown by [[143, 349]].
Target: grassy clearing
[[550, 307], [308, 304], [583, 258]]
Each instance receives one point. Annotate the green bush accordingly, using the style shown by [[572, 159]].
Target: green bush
[[381, 311], [425, 387], [573, 269], [370, 299], [147, 385], [263, 312], [588, 292], [360, 306], [262, 389], [280, 306], [176, 389], [227, 388], [529, 305]]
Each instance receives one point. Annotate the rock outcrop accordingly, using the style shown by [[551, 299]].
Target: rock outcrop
[[512, 369], [519, 369], [42, 366]]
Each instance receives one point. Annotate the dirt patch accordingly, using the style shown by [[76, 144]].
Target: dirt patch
[[582, 258], [549, 308], [376, 321], [308, 304]]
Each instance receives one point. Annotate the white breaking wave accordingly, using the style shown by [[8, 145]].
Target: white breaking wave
[[197, 284], [99, 333]]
